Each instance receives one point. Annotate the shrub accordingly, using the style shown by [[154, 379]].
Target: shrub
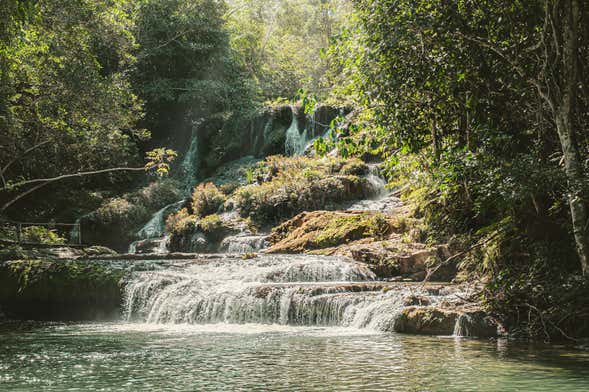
[[157, 194], [41, 235], [207, 199], [180, 222], [119, 210], [355, 167]]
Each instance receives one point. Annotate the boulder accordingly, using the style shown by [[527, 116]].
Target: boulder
[[477, 324], [370, 237], [426, 321]]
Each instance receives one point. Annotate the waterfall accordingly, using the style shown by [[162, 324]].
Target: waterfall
[[243, 243], [381, 198], [151, 237], [191, 163], [75, 233], [269, 289], [296, 141], [156, 226]]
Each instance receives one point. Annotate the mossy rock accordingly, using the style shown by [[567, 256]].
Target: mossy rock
[[325, 229], [60, 289], [426, 321]]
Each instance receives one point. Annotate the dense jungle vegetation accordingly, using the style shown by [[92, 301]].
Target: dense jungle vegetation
[[479, 109]]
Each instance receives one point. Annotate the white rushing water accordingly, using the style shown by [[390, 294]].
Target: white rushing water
[[270, 289], [191, 162], [156, 227], [296, 140], [243, 243]]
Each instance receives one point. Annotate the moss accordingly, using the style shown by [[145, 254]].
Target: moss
[[116, 221], [213, 227], [355, 167], [41, 235], [59, 289], [324, 229], [287, 186]]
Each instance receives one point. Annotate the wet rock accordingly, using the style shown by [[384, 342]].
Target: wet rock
[[426, 321], [416, 300], [243, 243], [476, 324], [98, 250], [394, 257], [151, 245]]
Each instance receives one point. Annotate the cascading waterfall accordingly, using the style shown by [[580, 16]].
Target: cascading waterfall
[[243, 243], [382, 199], [270, 289], [191, 162], [296, 141], [156, 227], [152, 235]]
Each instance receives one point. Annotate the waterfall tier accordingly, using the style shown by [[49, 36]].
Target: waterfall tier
[[272, 289]]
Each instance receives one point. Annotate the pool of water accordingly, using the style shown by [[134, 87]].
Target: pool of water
[[224, 357]]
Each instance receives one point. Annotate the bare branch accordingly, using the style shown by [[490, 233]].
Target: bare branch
[[65, 176]]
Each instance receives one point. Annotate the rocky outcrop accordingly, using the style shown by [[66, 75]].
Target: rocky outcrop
[[276, 201], [223, 138], [14, 251], [426, 321], [116, 222], [429, 320], [324, 229], [394, 257], [60, 289], [374, 238]]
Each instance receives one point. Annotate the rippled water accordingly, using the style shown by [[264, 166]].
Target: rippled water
[[62, 357]]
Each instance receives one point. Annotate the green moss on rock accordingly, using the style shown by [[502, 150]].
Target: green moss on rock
[[60, 289], [325, 229]]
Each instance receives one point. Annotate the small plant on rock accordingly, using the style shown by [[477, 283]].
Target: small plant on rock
[[207, 199]]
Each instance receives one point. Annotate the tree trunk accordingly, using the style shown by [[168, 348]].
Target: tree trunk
[[435, 138], [574, 176], [564, 110]]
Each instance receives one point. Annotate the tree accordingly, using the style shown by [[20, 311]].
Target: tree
[[66, 94], [185, 67], [466, 81]]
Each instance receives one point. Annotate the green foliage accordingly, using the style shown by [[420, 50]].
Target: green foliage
[[281, 41], [158, 161], [41, 235], [289, 185], [349, 228], [185, 66], [181, 222], [450, 93], [66, 103], [207, 199]]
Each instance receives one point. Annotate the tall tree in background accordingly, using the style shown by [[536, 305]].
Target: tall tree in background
[[67, 103], [185, 67], [281, 41]]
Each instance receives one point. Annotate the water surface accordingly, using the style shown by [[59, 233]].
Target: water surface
[[225, 357]]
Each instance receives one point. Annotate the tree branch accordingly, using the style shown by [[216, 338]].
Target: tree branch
[[41, 182], [15, 159], [79, 174]]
